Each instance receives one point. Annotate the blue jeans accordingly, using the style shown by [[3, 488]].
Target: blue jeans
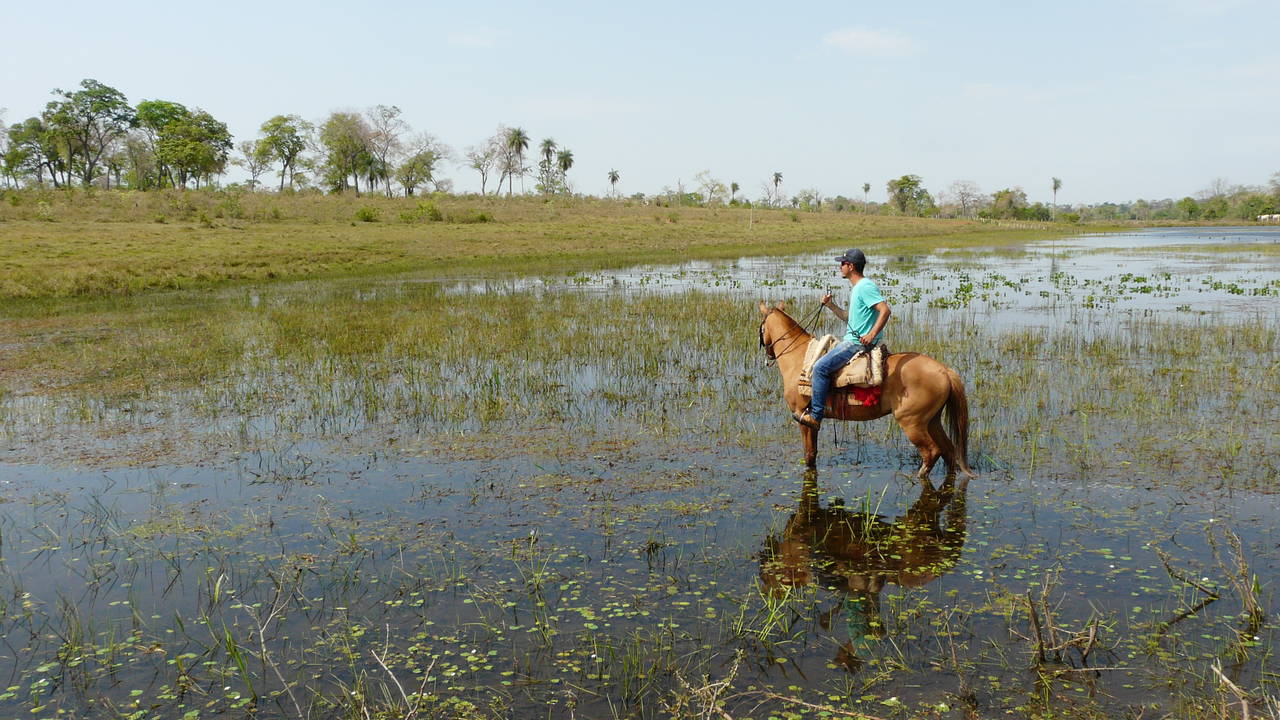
[[825, 370]]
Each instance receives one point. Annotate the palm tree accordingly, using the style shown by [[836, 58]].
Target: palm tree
[[866, 188], [517, 143], [564, 160], [777, 178], [1057, 185], [613, 181], [733, 190], [548, 148]]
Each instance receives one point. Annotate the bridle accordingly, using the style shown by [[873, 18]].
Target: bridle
[[797, 329]]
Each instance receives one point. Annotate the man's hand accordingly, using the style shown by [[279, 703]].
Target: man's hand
[[826, 299], [865, 339]]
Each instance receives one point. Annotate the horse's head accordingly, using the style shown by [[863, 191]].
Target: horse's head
[[773, 332]]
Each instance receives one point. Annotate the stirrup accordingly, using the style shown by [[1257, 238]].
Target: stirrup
[[806, 420]]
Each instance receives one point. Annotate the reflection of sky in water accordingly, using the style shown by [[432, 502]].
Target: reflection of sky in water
[[1079, 279]]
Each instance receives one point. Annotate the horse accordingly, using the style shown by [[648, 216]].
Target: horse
[[917, 389]]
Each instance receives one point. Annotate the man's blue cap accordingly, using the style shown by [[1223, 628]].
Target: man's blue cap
[[853, 255]]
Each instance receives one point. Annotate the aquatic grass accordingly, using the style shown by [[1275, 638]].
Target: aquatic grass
[[392, 456]]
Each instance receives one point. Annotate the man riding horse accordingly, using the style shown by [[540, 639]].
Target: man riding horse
[[866, 317]]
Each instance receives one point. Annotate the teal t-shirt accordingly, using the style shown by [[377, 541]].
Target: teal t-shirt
[[863, 299]]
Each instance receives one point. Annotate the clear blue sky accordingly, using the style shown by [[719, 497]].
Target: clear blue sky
[[1121, 99]]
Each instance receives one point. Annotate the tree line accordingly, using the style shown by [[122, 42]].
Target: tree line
[[93, 136]]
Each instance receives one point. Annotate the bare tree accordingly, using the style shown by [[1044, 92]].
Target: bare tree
[[712, 189], [385, 129], [423, 156], [255, 158], [1220, 187], [967, 195], [488, 157]]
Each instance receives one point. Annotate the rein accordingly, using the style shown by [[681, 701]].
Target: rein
[[768, 347]]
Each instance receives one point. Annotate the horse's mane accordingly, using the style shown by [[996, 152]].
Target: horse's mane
[[792, 322]]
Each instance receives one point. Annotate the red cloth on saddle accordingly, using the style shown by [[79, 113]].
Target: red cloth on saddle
[[866, 396]]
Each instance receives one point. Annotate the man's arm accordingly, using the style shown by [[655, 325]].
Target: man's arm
[[882, 318], [835, 308]]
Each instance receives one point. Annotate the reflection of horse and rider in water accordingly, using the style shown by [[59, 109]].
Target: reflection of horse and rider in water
[[858, 552]]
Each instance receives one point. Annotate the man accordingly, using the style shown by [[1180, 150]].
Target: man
[[866, 317]]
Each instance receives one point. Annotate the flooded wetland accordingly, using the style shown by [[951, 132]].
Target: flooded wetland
[[580, 494]]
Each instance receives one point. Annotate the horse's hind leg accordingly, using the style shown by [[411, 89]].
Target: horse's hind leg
[[917, 431], [945, 446]]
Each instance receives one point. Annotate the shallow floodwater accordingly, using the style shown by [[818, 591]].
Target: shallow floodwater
[[327, 544], [1040, 284]]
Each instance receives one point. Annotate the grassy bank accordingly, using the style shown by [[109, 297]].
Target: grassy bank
[[69, 243]]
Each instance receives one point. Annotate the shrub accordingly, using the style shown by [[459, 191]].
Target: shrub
[[471, 216], [424, 212], [44, 211], [367, 213]]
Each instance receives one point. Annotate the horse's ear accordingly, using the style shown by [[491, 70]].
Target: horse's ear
[[764, 308], [781, 305]]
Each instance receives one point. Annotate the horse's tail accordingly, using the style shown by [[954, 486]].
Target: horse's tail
[[957, 408]]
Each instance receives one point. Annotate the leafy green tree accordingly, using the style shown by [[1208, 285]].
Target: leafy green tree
[[1188, 208], [1007, 202], [344, 139], [33, 150], [153, 117], [733, 191], [1253, 204], [1214, 208], [195, 147], [909, 196], [284, 138], [87, 122], [417, 170]]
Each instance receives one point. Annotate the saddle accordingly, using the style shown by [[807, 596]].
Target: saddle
[[864, 370]]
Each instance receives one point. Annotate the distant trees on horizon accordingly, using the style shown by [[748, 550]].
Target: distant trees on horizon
[[93, 136]]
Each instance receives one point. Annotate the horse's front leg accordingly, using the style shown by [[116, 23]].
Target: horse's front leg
[[810, 438]]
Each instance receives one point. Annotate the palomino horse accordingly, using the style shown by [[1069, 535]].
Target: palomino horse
[[917, 390]]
